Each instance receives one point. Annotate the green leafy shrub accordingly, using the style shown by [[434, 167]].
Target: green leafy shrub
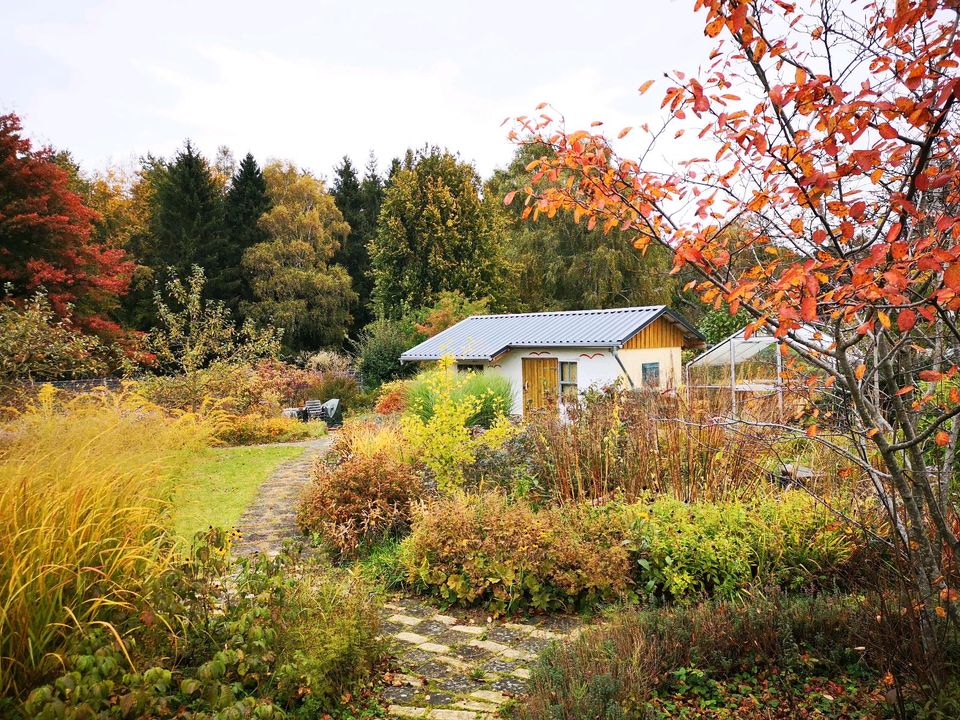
[[378, 352], [720, 549], [35, 344], [193, 333], [292, 637], [363, 499], [482, 550], [665, 662], [234, 387]]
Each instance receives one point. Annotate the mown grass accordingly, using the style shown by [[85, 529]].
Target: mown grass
[[215, 486]]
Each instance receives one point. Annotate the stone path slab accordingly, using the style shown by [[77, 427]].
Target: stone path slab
[[461, 667], [271, 518]]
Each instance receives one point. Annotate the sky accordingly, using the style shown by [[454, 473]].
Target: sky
[[312, 80]]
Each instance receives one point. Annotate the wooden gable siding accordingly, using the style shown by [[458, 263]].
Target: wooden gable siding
[[659, 334]]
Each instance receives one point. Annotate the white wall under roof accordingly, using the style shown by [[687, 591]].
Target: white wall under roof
[[595, 368]]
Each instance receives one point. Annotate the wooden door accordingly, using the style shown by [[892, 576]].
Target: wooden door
[[541, 383]]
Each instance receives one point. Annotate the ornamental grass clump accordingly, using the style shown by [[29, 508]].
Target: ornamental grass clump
[[490, 396], [629, 444], [81, 485], [362, 437]]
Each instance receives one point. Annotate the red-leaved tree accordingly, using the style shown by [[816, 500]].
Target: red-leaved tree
[[45, 237], [826, 207]]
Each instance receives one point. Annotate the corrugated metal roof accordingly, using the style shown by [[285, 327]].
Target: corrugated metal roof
[[483, 337]]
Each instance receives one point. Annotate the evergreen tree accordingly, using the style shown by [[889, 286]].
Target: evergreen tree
[[371, 190], [245, 204], [436, 233], [187, 222], [359, 201]]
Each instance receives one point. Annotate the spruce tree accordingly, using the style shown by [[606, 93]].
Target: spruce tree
[[187, 223], [245, 204], [360, 204]]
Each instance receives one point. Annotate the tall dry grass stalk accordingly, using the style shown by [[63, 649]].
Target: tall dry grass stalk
[[81, 491], [369, 438], [634, 444]]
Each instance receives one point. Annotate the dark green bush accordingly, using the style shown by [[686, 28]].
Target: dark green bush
[[378, 352]]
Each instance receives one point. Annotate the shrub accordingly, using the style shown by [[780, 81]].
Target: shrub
[[342, 386], [482, 550], [378, 352], [450, 308], [292, 638], [81, 538], [192, 333], [257, 430], [721, 549], [292, 386], [37, 345], [437, 424], [363, 499], [486, 551], [619, 670], [234, 387], [244, 390], [392, 397]]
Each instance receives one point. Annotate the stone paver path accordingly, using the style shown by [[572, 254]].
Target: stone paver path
[[272, 516], [453, 666]]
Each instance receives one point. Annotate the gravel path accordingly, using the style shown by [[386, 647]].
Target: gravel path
[[271, 517]]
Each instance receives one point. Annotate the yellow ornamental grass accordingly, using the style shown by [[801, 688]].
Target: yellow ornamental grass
[[81, 487], [443, 441]]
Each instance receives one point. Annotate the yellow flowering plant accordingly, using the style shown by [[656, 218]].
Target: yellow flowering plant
[[443, 439]]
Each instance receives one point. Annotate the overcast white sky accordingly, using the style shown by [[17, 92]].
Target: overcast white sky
[[312, 80]]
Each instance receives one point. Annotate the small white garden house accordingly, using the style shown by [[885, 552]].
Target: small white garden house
[[551, 355]]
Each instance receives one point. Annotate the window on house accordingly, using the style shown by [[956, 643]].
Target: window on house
[[468, 367], [650, 374], [568, 381]]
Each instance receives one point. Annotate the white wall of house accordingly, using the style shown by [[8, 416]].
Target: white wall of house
[[596, 367], [668, 358]]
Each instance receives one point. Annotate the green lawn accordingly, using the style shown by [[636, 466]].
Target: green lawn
[[214, 487]]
